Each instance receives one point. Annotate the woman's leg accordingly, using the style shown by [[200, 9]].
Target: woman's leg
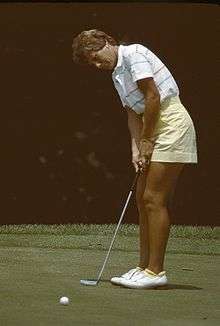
[[161, 180], [143, 223]]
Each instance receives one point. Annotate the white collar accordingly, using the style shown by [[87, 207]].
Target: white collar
[[119, 63]]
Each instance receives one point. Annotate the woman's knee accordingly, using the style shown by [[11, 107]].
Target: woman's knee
[[153, 201], [140, 200], [140, 189]]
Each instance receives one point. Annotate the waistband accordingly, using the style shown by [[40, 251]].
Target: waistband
[[170, 100]]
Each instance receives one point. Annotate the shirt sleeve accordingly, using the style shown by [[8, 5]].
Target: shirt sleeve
[[122, 102], [119, 93], [140, 67]]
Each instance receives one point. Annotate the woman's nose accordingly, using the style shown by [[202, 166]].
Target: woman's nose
[[98, 65]]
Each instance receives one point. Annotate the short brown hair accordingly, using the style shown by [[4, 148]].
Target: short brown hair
[[87, 41]]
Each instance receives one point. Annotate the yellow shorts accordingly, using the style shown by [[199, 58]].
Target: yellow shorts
[[175, 134]]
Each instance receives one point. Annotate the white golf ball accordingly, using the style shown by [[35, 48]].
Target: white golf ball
[[64, 300]]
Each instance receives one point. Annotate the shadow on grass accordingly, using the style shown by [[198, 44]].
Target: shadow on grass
[[180, 287], [166, 287]]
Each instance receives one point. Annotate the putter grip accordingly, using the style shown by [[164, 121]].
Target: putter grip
[[135, 180]]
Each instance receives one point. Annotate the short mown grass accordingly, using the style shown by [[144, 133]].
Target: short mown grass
[[177, 231], [41, 263], [183, 239]]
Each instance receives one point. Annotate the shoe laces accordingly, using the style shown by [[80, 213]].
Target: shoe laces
[[132, 272]]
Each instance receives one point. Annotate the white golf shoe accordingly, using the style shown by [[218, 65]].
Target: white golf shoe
[[145, 279], [118, 280]]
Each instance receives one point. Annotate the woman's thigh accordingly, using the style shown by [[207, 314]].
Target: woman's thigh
[[141, 185], [161, 181]]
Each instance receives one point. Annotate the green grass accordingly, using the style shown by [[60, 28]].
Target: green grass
[[40, 263], [126, 229], [191, 240]]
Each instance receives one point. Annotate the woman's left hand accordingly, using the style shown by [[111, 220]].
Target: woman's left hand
[[146, 150]]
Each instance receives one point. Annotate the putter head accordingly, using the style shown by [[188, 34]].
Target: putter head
[[89, 282]]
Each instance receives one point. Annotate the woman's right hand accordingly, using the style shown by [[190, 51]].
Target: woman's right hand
[[135, 162], [138, 164]]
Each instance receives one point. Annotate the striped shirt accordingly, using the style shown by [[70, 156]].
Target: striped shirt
[[136, 62]]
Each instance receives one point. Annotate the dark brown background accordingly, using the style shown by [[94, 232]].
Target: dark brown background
[[65, 144]]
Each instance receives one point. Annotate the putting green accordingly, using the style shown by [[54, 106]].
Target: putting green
[[34, 277]]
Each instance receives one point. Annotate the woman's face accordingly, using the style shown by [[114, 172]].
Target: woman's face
[[106, 58]]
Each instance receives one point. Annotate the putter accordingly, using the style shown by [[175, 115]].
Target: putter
[[95, 282]]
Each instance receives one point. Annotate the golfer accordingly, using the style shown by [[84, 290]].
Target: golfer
[[163, 140]]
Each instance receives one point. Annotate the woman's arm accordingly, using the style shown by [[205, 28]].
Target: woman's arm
[[135, 126], [152, 106], [151, 115]]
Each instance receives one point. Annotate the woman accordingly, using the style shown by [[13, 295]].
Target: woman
[[162, 140]]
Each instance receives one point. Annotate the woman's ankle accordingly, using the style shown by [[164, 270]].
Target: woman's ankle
[[153, 269]]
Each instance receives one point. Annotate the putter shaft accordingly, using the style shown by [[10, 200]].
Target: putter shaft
[[95, 282]]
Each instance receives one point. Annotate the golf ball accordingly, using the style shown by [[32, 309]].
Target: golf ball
[[64, 300]]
